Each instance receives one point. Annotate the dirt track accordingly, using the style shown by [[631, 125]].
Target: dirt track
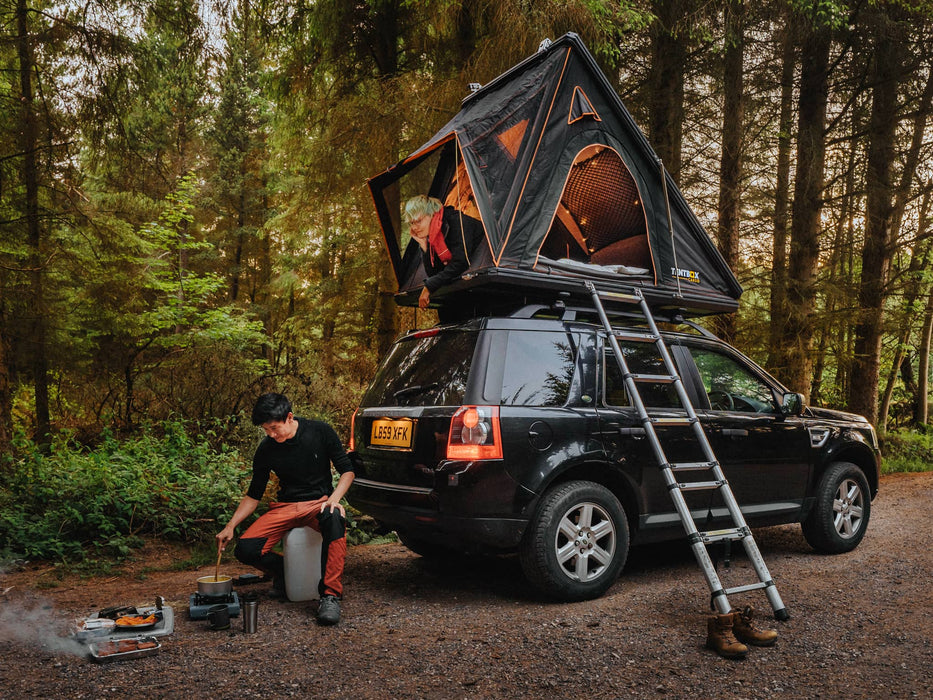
[[861, 627]]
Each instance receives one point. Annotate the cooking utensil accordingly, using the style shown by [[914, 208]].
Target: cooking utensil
[[215, 585], [117, 650], [93, 627], [217, 567], [129, 622], [117, 611]]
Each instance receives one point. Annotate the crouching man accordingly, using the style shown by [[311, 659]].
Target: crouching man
[[300, 452]]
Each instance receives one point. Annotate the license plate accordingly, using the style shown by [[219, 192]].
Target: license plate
[[392, 433]]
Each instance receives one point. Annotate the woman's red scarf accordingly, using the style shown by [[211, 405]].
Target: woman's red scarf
[[436, 243]]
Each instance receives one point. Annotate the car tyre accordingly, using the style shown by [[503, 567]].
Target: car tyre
[[576, 543], [839, 518]]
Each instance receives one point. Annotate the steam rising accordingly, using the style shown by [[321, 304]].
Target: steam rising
[[39, 626]]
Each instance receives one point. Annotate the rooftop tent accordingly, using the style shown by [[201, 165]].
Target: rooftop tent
[[566, 187]]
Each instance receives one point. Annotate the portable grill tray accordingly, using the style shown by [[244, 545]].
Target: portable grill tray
[[164, 627], [94, 649]]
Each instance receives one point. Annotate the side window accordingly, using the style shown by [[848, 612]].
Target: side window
[[539, 368], [729, 385], [641, 358]]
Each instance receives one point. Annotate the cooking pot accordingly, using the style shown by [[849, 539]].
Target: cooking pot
[[215, 585]]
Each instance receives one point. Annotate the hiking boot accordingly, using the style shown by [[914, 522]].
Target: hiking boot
[[719, 637], [745, 629], [328, 611]]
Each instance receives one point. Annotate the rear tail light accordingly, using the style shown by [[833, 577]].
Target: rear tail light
[[353, 431], [474, 434]]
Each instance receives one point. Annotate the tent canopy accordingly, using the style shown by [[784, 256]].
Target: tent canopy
[[566, 187]]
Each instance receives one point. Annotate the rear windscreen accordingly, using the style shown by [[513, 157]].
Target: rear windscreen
[[429, 371]]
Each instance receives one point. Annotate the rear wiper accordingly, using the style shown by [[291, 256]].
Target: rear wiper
[[414, 389]]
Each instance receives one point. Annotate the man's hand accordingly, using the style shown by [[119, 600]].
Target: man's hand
[[424, 299], [223, 537], [243, 511], [331, 505]]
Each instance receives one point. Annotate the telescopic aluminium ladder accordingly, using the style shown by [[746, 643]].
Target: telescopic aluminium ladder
[[698, 540]]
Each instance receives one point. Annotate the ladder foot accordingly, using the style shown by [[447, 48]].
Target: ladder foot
[[782, 615]]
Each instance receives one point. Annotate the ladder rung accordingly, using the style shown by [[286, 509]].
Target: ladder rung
[[732, 533], [636, 337], [700, 485], [748, 587], [618, 296], [692, 466], [655, 378], [672, 421]]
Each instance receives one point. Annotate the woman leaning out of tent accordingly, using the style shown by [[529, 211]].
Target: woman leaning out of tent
[[446, 237]]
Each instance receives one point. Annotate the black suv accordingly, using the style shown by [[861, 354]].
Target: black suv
[[516, 434]]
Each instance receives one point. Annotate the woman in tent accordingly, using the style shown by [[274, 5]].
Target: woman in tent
[[447, 238]]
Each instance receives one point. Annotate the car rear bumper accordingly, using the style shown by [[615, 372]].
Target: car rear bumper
[[418, 512]]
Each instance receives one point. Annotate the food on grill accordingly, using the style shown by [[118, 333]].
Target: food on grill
[[106, 649], [135, 620], [124, 646]]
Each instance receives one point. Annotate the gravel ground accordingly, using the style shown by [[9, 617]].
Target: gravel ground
[[860, 627]]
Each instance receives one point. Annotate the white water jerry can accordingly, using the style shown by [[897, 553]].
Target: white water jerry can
[[301, 548]]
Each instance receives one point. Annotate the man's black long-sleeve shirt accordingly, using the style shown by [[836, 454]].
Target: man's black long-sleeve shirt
[[302, 463]]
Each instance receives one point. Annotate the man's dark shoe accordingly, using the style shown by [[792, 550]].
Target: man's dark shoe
[[278, 588], [328, 611]]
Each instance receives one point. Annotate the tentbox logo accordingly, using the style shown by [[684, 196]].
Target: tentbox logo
[[686, 275]]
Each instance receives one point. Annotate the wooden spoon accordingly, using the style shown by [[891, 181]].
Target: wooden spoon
[[217, 568]]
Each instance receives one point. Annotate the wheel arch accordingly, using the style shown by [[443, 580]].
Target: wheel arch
[[858, 454], [617, 481]]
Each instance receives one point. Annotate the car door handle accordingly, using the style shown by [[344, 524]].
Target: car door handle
[[612, 430], [734, 432], [632, 432]]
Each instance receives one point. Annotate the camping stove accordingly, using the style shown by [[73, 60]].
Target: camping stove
[[199, 604]]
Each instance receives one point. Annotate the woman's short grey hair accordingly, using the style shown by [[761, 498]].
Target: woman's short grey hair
[[421, 205]]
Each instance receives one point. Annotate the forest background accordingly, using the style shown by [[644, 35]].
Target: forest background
[[185, 220]]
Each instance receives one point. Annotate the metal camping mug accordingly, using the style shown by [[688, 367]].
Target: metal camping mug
[[250, 614], [218, 617]]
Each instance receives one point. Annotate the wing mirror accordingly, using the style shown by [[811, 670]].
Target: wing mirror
[[792, 404]]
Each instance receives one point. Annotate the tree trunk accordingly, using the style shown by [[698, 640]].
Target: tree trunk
[[668, 68], [916, 285], [876, 253], [730, 166], [908, 174], [6, 389], [918, 260], [839, 270], [239, 242], [781, 191], [30, 174], [797, 337], [923, 372]]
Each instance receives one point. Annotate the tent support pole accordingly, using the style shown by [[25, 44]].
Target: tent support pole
[[670, 225]]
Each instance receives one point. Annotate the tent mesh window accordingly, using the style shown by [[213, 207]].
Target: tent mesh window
[[606, 222]]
